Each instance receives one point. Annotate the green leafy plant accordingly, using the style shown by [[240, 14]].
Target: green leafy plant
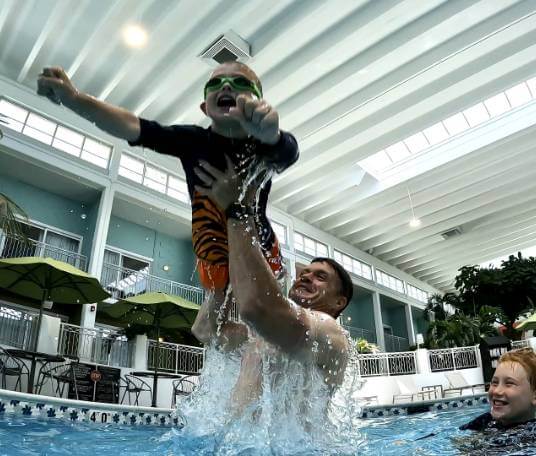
[[9, 223], [363, 346]]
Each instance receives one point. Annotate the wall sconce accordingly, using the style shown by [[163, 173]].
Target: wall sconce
[[165, 268]]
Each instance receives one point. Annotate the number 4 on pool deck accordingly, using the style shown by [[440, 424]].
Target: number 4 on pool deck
[[98, 417]]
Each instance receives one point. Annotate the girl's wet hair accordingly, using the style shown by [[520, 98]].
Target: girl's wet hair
[[527, 358]]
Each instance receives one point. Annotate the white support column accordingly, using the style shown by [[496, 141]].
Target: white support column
[[97, 250], [409, 324], [378, 321]]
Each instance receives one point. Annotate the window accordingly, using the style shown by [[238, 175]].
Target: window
[[353, 265], [54, 134], [124, 275], [379, 163], [153, 177], [310, 246], [389, 281], [280, 232], [417, 293], [44, 242]]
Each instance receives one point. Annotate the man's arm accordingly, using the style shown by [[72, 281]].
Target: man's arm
[[211, 315], [54, 84]]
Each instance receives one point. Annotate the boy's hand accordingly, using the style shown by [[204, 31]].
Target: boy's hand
[[257, 118], [54, 84]]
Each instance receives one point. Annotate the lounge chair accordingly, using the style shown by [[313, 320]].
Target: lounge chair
[[410, 393], [458, 386]]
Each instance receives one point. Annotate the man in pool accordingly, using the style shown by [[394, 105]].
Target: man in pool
[[276, 331]]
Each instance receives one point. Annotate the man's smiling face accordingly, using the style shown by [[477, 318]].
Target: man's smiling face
[[510, 394]]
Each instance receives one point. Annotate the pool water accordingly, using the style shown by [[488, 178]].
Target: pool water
[[403, 435]]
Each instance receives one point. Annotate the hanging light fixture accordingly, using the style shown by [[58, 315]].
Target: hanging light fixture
[[414, 221]]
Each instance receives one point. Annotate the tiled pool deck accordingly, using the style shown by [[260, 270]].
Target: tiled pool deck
[[376, 411]]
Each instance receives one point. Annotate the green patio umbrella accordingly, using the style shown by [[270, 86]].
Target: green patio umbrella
[[46, 279], [156, 310], [529, 323]]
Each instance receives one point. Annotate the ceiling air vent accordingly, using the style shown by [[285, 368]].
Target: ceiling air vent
[[227, 47], [453, 232]]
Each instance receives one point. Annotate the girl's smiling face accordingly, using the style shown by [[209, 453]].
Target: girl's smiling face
[[510, 394]]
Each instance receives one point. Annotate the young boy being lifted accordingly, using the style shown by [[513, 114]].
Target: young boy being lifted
[[244, 128]]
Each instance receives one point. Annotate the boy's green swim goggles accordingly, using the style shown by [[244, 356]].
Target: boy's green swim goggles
[[239, 83]]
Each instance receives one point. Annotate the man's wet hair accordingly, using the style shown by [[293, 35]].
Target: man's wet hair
[[347, 287], [527, 358]]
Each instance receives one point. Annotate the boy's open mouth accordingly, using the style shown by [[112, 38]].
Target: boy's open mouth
[[226, 101]]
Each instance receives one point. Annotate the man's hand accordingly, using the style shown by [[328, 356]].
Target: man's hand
[[257, 118], [222, 187], [54, 84]]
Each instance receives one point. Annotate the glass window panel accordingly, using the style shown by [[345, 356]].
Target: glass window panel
[[337, 256], [367, 272], [518, 95], [97, 148], [41, 124], [309, 243], [322, 250], [532, 86], [436, 133], [13, 111], [310, 251], [66, 147], [497, 105], [131, 175], [347, 262], [159, 187], [456, 124], [377, 162], [298, 241], [101, 162], [416, 143], [477, 114], [13, 124], [131, 163], [155, 174], [69, 136], [37, 134], [397, 151], [177, 184], [178, 195], [280, 232]]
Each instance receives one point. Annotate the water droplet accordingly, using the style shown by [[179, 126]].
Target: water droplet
[[146, 238], [146, 221], [83, 216], [71, 211], [117, 226]]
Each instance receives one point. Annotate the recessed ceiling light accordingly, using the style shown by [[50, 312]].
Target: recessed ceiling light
[[134, 35], [415, 222]]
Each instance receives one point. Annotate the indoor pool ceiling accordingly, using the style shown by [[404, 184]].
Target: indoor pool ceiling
[[350, 78]]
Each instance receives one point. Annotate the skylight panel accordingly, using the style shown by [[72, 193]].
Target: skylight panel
[[518, 95], [131, 168], [155, 179], [416, 143], [436, 133], [96, 153], [532, 86], [68, 141], [476, 114], [397, 151], [376, 163], [39, 128], [456, 124], [178, 189], [497, 104], [13, 116]]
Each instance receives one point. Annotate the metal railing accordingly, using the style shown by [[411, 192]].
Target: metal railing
[[95, 345], [395, 343], [453, 358], [380, 364], [123, 282], [16, 247], [176, 358], [361, 333], [516, 344], [17, 327]]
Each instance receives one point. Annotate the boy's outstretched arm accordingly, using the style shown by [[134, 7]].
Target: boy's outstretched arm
[[54, 84]]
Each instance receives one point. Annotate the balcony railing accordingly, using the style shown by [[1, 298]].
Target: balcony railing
[[453, 358], [16, 247], [95, 345], [177, 358], [381, 364], [361, 333], [17, 327], [517, 344], [395, 343], [123, 282]]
